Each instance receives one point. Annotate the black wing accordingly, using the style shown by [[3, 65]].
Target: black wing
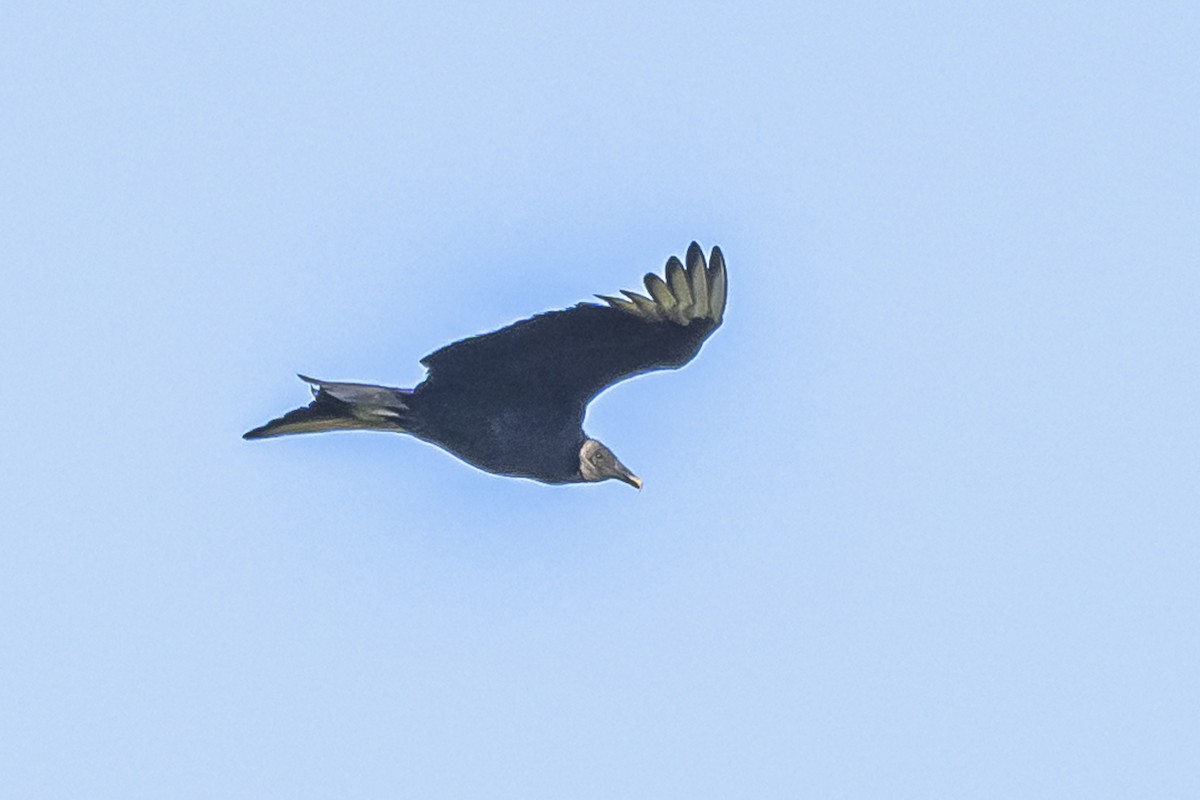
[[573, 354]]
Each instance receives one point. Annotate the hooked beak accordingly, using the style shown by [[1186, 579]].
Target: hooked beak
[[625, 475]]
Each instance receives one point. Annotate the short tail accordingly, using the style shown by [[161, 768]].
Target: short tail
[[341, 407]]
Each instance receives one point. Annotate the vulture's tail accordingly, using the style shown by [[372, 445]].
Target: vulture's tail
[[340, 407]]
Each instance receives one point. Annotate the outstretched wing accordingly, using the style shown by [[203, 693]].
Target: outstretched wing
[[575, 353]]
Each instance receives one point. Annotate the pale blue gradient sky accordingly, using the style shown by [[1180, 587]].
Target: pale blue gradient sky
[[922, 521]]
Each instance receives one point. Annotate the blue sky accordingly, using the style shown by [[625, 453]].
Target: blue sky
[[921, 521]]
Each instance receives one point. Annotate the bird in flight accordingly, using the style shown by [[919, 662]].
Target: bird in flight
[[511, 402]]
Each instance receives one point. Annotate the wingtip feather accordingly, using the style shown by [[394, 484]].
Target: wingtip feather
[[619, 304], [696, 291], [717, 284], [698, 275], [677, 280], [645, 305], [661, 293]]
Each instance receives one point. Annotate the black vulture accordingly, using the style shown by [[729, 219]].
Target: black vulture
[[512, 401]]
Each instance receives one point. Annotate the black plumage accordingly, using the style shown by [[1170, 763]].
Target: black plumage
[[512, 401]]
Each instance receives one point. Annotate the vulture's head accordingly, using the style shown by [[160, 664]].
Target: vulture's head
[[597, 463]]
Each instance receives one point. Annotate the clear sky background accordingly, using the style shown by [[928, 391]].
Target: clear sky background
[[921, 521]]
